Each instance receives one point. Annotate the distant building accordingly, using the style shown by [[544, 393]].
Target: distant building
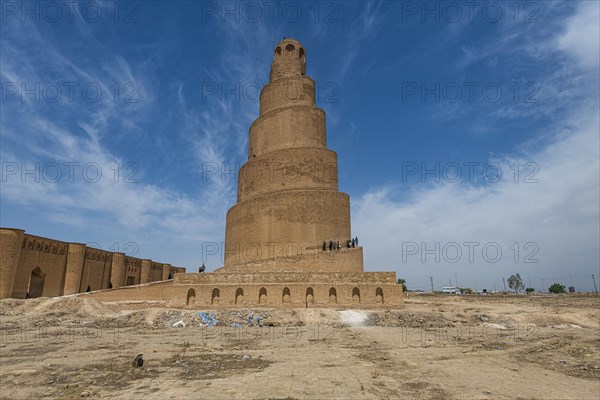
[[450, 289]]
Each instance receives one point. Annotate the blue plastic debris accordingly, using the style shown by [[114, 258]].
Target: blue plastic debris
[[208, 319]]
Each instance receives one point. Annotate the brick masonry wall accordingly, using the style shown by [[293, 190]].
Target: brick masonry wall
[[50, 257], [286, 92], [48, 267], [96, 270], [286, 277], [307, 260], [300, 168], [279, 223], [287, 127], [339, 294]]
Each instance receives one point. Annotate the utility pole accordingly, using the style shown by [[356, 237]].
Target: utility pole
[[530, 280], [595, 287], [504, 281], [571, 279], [431, 279], [494, 286], [542, 284], [455, 280]]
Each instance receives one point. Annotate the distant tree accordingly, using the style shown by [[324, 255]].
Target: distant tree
[[529, 290], [516, 283], [403, 283], [556, 288]]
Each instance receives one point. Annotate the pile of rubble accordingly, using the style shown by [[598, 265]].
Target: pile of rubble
[[182, 319], [409, 320]]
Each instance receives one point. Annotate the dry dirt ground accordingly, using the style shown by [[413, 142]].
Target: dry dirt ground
[[437, 347]]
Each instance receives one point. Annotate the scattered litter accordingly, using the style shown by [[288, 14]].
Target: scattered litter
[[252, 319], [209, 320], [180, 323], [496, 326], [178, 319], [138, 362], [245, 357], [171, 319]]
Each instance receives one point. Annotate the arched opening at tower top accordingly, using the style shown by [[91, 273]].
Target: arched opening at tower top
[[289, 49], [301, 53], [278, 52]]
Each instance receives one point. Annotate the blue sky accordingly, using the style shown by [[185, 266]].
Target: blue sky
[[151, 92]]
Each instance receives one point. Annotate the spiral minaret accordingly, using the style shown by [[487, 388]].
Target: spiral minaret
[[288, 201]]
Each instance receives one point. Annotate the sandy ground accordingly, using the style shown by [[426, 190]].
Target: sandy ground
[[437, 347]]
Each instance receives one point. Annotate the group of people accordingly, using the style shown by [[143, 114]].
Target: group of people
[[333, 245]]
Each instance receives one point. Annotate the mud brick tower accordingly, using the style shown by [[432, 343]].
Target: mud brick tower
[[288, 200]]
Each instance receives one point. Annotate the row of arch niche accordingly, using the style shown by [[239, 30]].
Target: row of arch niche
[[285, 296], [290, 49]]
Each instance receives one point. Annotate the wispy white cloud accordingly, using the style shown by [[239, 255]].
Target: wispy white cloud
[[365, 29], [581, 37], [516, 57]]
